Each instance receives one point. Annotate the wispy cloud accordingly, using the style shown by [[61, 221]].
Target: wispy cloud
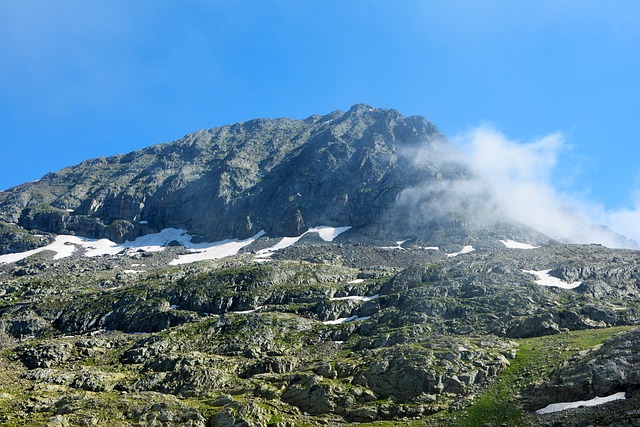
[[521, 178], [627, 221]]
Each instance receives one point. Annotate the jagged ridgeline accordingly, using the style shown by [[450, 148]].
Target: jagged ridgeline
[[340, 270], [375, 170]]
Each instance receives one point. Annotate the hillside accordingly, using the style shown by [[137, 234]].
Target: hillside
[[281, 272]]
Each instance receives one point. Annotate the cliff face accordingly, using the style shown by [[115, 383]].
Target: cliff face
[[279, 175]]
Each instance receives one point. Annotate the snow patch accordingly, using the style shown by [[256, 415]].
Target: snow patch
[[247, 311], [215, 250], [345, 320], [154, 242], [544, 279], [284, 243], [465, 250], [556, 407], [512, 244], [356, 298], [356, 281], [63, 246], [397, 246], [326, 233]]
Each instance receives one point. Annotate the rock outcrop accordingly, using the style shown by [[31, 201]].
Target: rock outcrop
[[611, 368]]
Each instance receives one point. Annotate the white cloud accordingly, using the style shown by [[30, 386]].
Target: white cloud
[[627, 221], [521, 178]]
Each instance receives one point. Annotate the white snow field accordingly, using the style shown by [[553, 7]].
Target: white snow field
[[247, 311], [326, 233], [544, 279], [398, 245], [556, 407], [512, 244], [64, 246], [356, 298], [346, 319], [216, 250], [465, 250]]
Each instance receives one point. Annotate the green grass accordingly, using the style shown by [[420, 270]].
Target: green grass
[[536, 357]]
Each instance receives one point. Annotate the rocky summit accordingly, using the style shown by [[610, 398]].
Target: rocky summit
[[345, 269], [381, 173]]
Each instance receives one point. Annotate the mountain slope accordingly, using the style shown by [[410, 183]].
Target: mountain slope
[[384, 174], [399, 294]]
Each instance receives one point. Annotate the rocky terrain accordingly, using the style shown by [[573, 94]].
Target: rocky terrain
[[329, 304]]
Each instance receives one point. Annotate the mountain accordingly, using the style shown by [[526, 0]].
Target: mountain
[[343, 269], [375, 170]]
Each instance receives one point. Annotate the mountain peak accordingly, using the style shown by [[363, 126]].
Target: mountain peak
[[282, 176]]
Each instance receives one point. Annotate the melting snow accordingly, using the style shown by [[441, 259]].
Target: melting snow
[[247, 311], [357, 281], [155, 242], [346, 319], [465, 250], [356, 298], [397, 246], [284, 243], [65, 246], [512, 244], [556, 407], [326, 233], [216, 250], [544, 279]]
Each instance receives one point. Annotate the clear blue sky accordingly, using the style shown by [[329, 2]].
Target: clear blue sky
[[80, 79]]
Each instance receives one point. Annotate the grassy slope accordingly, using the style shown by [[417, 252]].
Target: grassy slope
[[498, 405]]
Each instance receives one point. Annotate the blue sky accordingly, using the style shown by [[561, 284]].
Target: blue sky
[[80, 79]]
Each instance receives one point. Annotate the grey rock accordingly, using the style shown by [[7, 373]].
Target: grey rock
[[45, 355], [533, 326], [613, 367]]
